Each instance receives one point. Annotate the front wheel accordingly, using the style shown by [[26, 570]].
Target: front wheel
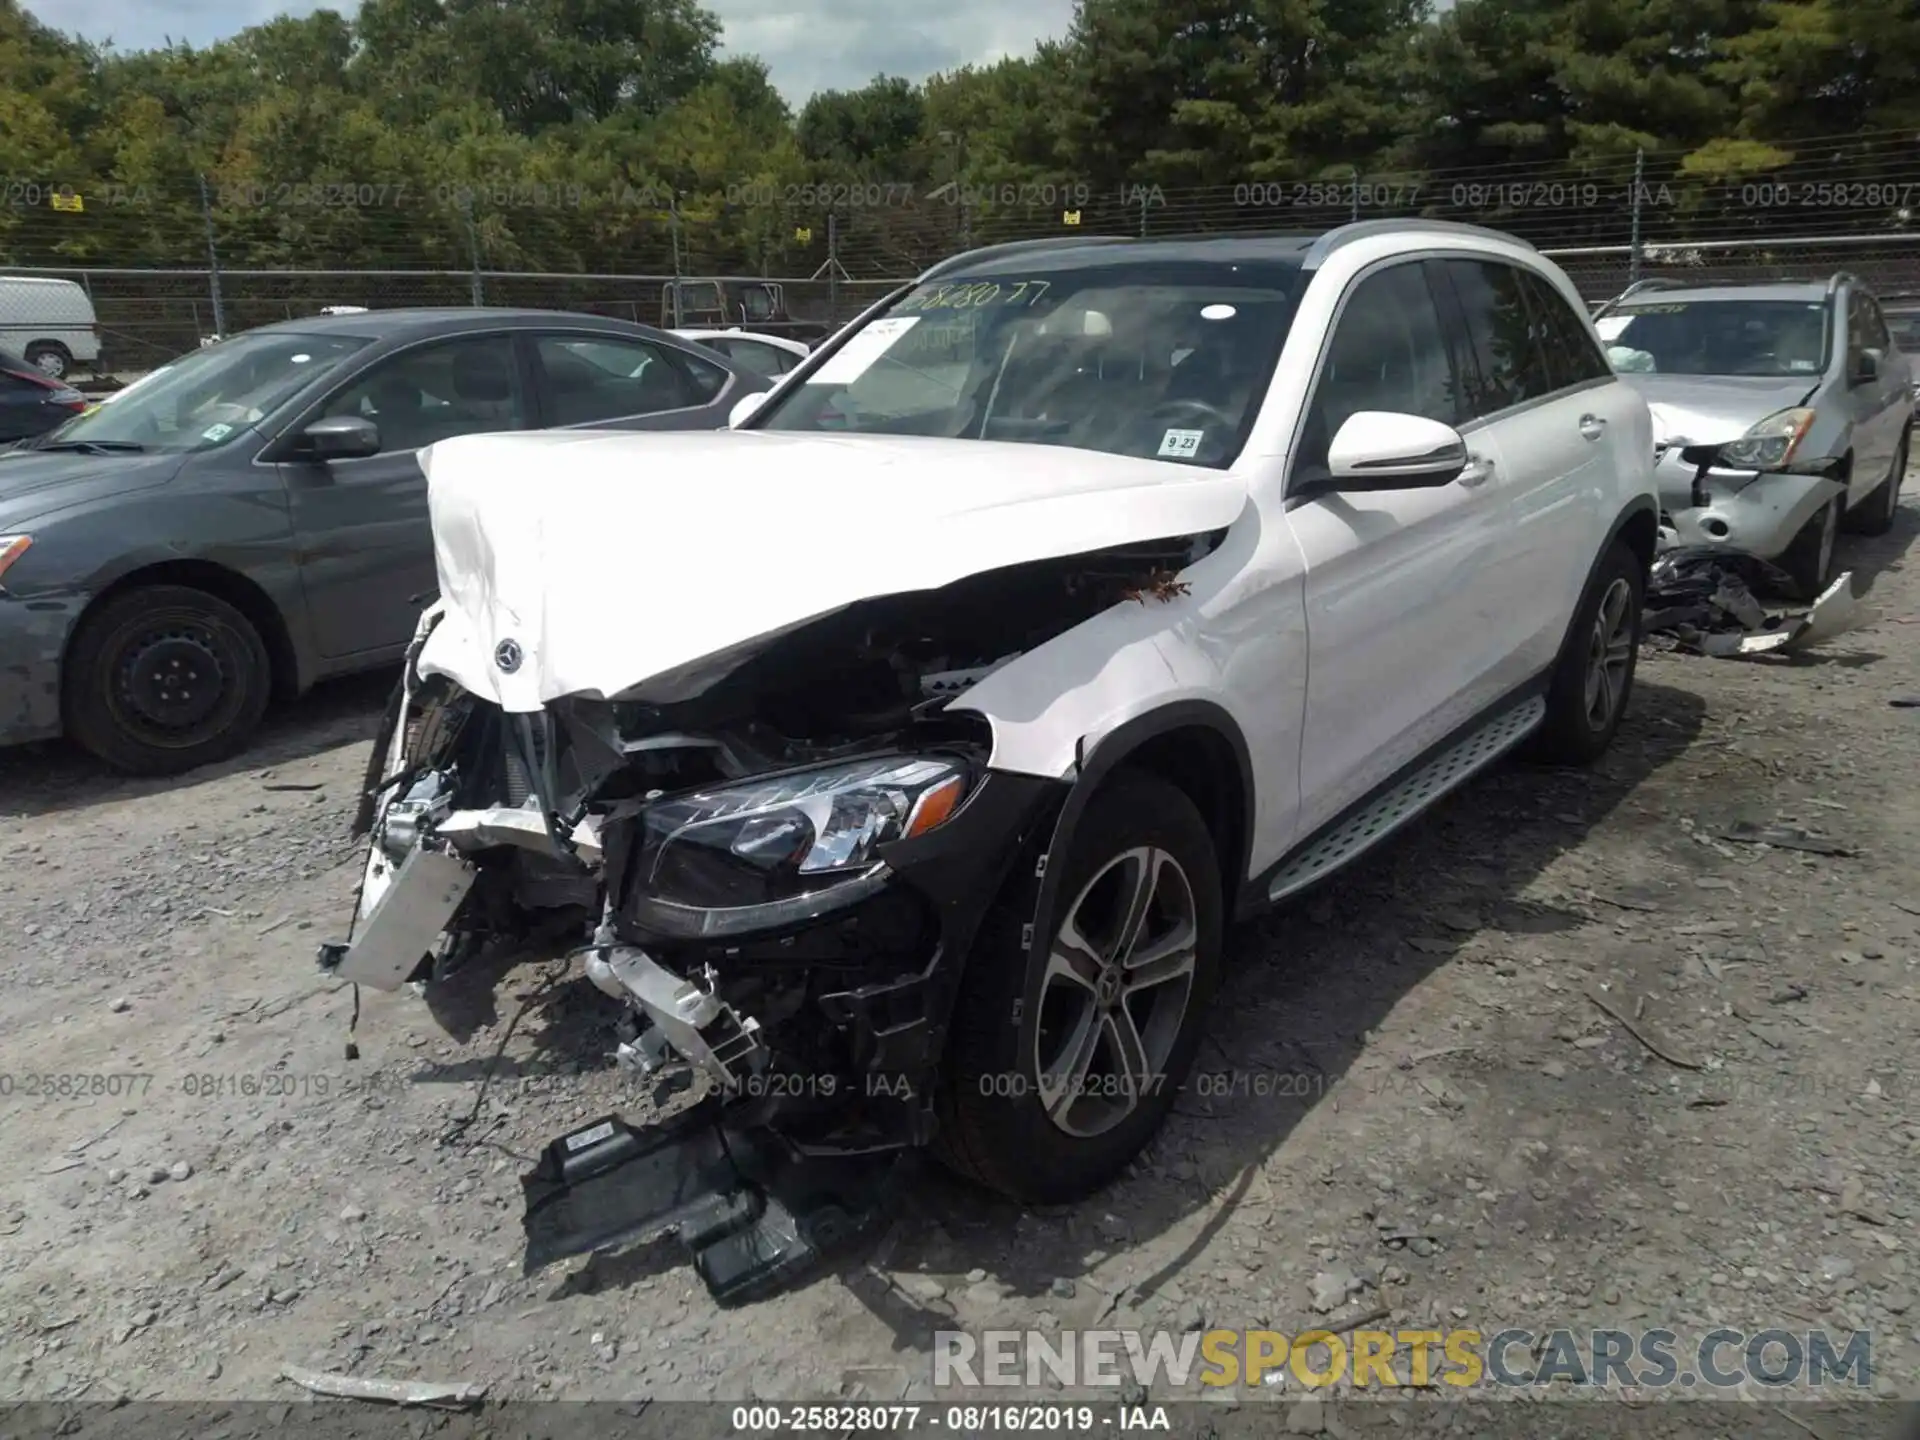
[[1594, 677], [165, 678], [1808, 561], [1062, 1066], [1875, 514]]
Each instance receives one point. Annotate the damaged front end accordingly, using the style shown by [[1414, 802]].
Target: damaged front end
[[776, 873], [1749, 494]]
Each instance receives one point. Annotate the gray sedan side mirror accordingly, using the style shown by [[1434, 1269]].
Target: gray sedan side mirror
[[341, 437]]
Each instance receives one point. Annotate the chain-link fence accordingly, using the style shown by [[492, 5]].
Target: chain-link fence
[[142, 274]]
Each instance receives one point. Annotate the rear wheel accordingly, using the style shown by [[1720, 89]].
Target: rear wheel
[[1808, 561], [1594, 679], [1875, 514], [51, 358], [1061, 1068], [164, 679]]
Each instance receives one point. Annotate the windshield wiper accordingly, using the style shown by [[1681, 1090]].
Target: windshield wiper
[[94, 447]]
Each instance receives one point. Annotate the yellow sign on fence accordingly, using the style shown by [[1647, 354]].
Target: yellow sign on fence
[[65, 199]]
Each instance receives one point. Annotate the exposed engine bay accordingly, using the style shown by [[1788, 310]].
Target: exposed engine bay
[[777, 878]]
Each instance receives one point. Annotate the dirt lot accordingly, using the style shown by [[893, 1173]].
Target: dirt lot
[[1412, 1100]]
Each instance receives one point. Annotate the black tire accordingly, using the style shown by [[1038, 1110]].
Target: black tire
[[152, 721], [1577, 731], [1875, 514], [995, 1129], [51, 358], [1808, 561]]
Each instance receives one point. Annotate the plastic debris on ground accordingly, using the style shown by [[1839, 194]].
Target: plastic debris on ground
[[1705, 599]]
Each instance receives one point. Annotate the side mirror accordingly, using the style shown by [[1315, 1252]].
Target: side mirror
[[1866, 368], [340, 437], [1385, 450], [744, 407]]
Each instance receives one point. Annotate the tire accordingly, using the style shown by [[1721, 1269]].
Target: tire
[[1583, 714], [1875, 514], [150, 722], [1010, 1011], [1808, 561], [52, 358]]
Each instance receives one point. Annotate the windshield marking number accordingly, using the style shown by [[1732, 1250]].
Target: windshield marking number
[[1181, 444]]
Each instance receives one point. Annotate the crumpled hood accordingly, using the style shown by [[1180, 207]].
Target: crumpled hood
[[583, 563], [1713, 409], [34, 483]]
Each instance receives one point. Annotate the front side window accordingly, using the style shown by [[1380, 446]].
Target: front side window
[[1388, 352], [1720, 337], [591, 379], [435, 392], [210, 397], [761, 359], [1161, 359], [1511, 363]]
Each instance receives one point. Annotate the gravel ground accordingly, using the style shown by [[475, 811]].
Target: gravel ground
[[1424, 1092]]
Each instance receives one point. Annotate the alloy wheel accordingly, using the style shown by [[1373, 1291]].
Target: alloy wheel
[[1609, 654], [1118, 983]]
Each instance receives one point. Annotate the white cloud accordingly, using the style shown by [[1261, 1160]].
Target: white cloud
[[809, 45]]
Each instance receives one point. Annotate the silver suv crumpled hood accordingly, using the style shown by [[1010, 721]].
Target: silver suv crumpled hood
[[1713, 409], [586, 563]]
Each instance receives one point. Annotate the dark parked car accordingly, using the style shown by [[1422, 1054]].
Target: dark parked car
[[255, 519], [32, 402]]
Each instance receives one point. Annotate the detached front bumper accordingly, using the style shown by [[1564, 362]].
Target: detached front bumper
[[1756, 513]]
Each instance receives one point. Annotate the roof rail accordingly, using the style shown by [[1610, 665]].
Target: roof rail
[[1640, 287], [1836, 280], [1017, 247], [1363, 229]]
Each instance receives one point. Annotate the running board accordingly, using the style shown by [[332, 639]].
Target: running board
[[1399, 803]]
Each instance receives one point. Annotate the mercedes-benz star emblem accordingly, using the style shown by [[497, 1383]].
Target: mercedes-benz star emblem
[[507, 656]]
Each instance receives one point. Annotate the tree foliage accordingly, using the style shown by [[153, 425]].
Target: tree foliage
[[588, 134]]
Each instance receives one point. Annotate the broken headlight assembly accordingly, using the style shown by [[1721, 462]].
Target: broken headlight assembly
[[782, 849], [1770, 444]]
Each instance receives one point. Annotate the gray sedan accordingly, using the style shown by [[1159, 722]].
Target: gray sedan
[[254, 518]]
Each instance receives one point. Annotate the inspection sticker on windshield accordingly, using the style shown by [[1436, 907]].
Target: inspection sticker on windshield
[[1181, 444], [857, 356], [215, 433]]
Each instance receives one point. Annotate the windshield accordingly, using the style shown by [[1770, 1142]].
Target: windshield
[[209, 397], [1719, 337], [1164, 360]]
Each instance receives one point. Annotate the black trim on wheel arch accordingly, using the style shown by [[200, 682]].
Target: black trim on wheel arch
[[1255, 898], [1108, 754]]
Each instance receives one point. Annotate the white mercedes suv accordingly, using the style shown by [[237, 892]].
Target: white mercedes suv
[[896, 759]]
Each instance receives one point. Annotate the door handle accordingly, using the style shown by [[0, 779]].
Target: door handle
[[1592, 426], [1479, 468]]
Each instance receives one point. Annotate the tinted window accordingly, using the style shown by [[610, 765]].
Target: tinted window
[[435, 392], [595, 378], [1510, 359], [1388, 352], [708, 378], [1572, 357], [1719, 337], [759, 358]]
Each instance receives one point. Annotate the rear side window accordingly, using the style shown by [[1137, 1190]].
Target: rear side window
[[1572, 358], [1510, 361]]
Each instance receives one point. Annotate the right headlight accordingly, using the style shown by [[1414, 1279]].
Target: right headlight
[[1770, 444], [783, 849]]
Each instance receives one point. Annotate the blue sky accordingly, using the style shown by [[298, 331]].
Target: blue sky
[[808, 44]]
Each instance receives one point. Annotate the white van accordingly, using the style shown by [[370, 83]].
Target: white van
[[50, 322]]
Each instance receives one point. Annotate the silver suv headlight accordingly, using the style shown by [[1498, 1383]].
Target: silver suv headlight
[[1771, 443], [783, 849]]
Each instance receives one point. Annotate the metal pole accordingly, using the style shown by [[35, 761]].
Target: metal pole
[[1355, 216], [213, 262], [833, 266], [477, 284], [1633, 243]]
